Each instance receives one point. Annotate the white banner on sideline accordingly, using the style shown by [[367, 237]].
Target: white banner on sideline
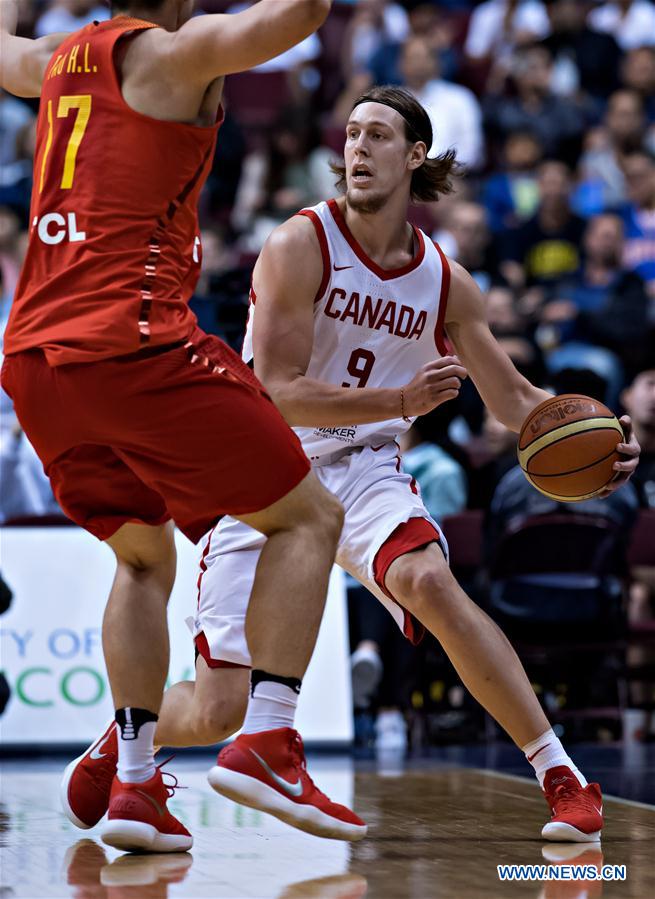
[[51, 652]]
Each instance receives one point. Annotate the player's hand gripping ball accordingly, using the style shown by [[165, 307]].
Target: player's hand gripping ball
[[572, 447]]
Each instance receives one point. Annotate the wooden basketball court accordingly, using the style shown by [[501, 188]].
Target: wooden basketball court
[[436, 832]]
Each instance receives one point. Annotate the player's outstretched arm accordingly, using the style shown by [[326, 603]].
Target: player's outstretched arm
[[22, 61], [207, 47], [505, 392], [286, 280]]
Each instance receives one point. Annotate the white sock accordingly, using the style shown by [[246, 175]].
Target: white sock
[[136, 757], [272, 705], [547, 752]]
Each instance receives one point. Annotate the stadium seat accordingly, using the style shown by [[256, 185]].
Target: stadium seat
[[558, 588], [641, 551]]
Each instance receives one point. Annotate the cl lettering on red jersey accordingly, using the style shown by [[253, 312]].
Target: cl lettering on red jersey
[[52, 228]]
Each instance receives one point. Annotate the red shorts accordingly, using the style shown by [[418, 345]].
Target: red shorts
[[186, 433]]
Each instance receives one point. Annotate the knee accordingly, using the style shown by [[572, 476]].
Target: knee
[[330, 517], [420, 589], [160, 573], [217, 721], [155, 559]]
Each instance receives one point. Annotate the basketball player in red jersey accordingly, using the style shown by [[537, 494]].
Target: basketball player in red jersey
[[349, 295], [139, 417]]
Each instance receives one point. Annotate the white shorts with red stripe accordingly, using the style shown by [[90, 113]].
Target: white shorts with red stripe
[[384, 519]]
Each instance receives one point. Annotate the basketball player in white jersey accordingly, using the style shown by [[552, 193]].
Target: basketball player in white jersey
[[351, 311]]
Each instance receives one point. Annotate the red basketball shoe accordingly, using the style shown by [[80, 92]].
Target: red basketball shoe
[[86, 784], [139, 821], [268, 771], [577, 813]]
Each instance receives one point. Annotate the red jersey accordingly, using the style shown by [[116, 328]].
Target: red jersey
[[113, 255]]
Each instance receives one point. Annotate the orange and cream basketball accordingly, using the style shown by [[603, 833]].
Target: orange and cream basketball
[[567, 447]]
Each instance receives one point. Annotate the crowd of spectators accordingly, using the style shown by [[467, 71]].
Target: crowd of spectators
[[551, 108]]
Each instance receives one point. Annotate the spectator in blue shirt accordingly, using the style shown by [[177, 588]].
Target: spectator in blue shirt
[[603, 303], [639, 216], [511, 195]]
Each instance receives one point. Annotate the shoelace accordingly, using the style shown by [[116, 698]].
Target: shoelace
[[568, 797], [170, 787]]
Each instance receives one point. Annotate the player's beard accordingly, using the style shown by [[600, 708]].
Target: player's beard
[[367, 203]]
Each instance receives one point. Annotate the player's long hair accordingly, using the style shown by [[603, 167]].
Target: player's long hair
[[435, 176]]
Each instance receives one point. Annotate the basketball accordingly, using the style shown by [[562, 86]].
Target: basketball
[[567, 447]]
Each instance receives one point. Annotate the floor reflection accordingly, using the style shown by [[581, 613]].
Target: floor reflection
[[91, 874], [436, 832]]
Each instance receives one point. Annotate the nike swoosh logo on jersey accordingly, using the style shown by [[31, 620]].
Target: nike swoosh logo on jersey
[[340, 268], [96, 754], [530, 757], [291, 789]]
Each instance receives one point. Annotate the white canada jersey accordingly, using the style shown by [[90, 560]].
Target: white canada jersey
[[372, 327]]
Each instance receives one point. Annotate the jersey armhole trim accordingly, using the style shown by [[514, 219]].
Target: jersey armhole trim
[[325, 252], [439, 335]]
